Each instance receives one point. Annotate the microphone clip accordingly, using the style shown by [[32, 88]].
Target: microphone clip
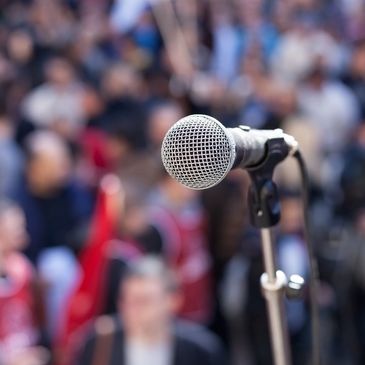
[[263, 196]]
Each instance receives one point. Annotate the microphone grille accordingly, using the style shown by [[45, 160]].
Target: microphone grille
[[198, 151]]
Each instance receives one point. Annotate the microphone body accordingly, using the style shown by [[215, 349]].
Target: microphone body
[[199, 151]]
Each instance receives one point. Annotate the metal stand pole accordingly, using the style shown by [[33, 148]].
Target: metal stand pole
[[273, 284], [263, 200]]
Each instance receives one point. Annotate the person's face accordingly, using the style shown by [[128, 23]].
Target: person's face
[[291, 216], [116, 150], [50, 170], [161, 121], [60, 72], [13, 234], [358, 61], [119, 81], [145, 305], [20, 46]]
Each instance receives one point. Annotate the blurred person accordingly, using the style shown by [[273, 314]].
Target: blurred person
[[53, 202], [284, 113], [226, 41], [334, 112], [20, 46], [282, 103], [301, 46], [53, 23], [161, 118], [353, 176], [146, 330], [134, 54], [120, 81], [190, 14], [341, 259], [350, 288], [109, 248], [56, 209], [209, 95], [57, 103], [124, 102], [20, 310], [254, 86], [7, 70], [353, 14], [146, 34], [256, 30], [124, 122], [91, 162], [282, 15], [225, 209], [92, 105], [177, 216], [140, 46], [123, 153], [24, 55], [157, 84], [354, 75], [91, 48], [11, 158]]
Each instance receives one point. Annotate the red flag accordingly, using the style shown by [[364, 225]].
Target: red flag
[[86, 302]]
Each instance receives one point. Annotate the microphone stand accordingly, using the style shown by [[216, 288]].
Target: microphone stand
[[263, 200]]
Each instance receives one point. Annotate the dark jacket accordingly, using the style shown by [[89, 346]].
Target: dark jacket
[[54, 220], [193, 345]]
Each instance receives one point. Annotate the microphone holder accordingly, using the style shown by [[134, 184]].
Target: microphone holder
[[264, 206]]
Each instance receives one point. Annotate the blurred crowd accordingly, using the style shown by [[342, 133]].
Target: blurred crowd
[[99, 246]]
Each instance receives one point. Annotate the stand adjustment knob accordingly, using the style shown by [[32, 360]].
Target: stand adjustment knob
[[295, 288]]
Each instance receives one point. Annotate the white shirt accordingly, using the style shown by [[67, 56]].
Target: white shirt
[[140, 353], [333, 111]]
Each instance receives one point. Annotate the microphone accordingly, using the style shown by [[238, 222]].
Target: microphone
[[198, 151]]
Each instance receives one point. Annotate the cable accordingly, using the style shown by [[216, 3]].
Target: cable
[[313, 267]]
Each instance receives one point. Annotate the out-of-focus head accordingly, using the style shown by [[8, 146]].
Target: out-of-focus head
[[59, 71], [6, 126], [148, 297], [48, 162], [134, 219], [283, 100], [253, 65], [124, 137], [120, 80], [13, 234], [358, 59], [360, 135], [360, 222], [92, 103], [20, 46], [249, 11], [291, 212], [161, 119]]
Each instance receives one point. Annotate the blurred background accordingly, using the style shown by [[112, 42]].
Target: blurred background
[[88, 90]]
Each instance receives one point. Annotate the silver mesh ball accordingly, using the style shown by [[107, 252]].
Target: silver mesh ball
[[198, 151]]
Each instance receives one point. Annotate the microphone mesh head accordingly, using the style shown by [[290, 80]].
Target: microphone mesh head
[[198, 151]]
